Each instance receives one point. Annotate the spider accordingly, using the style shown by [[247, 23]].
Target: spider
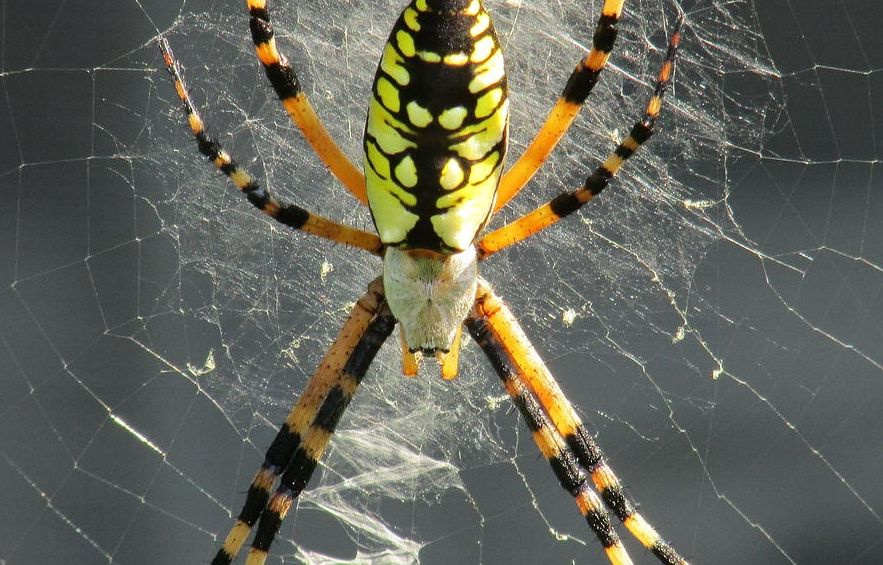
[[435, 140]]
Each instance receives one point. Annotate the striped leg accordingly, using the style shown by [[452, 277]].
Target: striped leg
[[302, 438], [557, 452], [503, 339], [569, 202], [284, 80], [581, 82], [283, 212]]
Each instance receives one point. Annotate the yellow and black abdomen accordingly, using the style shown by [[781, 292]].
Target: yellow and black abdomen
[[436, 132]]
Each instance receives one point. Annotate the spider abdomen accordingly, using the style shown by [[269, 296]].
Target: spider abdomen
[[435, 136]]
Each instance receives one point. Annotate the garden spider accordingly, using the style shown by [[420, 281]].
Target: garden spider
[[434, 142]]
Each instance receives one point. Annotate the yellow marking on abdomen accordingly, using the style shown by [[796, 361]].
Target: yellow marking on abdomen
[[483, 49], [456, 59], [482, 21], [376, 160], [389, 94], [406, 43], [418, 115], [488, 102], [389, 139], [391, 64], [489, 73], [378, 169], [452, 118], [486, 135], [429, 56], [451, 175], [410, 17], [406, 172]]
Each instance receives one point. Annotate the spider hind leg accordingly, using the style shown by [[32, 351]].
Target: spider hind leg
[[303, 437], [558, 430]]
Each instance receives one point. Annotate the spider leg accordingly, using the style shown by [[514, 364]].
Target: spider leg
[[562, 460], [497, 331], [552, 445], [283, 212], [284, 80], [581, 82], [569, 202], [302, 439]]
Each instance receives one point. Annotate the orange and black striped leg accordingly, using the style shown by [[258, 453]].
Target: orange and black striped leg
[[284, 80], [313, 444], [569, 202], [581, 82], [301, 439], [283, 212], [552, 445], [519, 358]]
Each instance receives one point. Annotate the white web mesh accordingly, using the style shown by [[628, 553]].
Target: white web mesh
[[714, 315]]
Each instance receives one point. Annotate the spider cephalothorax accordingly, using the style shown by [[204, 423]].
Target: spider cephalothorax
[[430, 295], [435, 141]]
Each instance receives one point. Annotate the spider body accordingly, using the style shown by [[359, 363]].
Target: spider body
[[435, 136], [435, 140]]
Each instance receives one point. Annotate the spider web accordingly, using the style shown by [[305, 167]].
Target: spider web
[[714, 316]]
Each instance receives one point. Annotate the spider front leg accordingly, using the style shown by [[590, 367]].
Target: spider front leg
[[569, 202], [558, 430], [301, 441], [284, 80], [288, 214], [581, 82]]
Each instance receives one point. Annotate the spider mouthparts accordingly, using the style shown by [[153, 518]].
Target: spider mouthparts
[[428, 351]]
